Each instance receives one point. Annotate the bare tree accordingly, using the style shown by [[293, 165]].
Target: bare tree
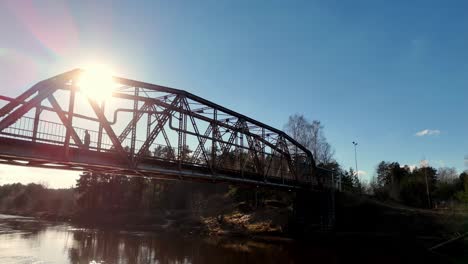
[[447, 175], [298, 128], [310, 135], [326, 153]]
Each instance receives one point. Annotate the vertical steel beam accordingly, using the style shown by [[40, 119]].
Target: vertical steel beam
[[99, 141], [184, 136], [263, 143], [69, 126], [134, 122], [37, 116], [180, 143], [213, 141], [148, 126]]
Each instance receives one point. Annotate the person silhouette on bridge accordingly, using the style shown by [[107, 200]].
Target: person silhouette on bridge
[[87, 139]]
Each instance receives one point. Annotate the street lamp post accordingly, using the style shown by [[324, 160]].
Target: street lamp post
[[355, 156], [428, 193]]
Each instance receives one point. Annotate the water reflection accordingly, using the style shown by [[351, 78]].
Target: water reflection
[[25, 240], [122, 247]]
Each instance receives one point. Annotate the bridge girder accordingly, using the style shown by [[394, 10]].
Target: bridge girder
[[123, 142]]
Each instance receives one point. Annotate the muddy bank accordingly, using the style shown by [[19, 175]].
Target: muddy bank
[[263, 222]]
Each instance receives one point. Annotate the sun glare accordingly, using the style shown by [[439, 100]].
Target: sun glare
[[97, 82]]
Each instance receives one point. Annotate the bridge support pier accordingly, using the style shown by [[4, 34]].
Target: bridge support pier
[[314, 210]]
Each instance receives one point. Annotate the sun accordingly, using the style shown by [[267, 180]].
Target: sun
[[97, 82]]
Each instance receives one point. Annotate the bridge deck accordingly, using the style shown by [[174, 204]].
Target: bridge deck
[[33, 154], [150, 131]]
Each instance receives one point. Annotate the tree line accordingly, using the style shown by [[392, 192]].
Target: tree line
[[100, 192], [18, 198], [423, 186]]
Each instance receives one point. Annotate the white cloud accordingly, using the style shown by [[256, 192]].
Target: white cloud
[[424, 163], [362, 173], [427, 132], [412, 167]]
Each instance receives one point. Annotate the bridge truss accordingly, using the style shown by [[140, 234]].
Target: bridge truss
[[147, 130]]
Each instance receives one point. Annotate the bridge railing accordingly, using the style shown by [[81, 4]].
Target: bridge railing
[[54, 133]]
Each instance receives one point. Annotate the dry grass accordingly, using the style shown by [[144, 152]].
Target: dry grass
[[264, 221]]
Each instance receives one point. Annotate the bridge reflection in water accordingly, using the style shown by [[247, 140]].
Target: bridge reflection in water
[[148, 130]]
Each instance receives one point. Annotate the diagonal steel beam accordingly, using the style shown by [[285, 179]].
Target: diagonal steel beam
[[21, 98], [253, 150], [212, 105], [160, 124], [198, 150], [219, 139], [163, 132], [272, 157], [197, 132], [227, 146], [42, 85], [19, 112], [198, 116], [110, 132], [129, 126], [65, 120], [287, 155]]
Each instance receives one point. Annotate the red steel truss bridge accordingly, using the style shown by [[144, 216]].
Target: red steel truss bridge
[[147, 130]]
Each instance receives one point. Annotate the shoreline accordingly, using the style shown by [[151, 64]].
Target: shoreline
[[357, 216], [191, 230]]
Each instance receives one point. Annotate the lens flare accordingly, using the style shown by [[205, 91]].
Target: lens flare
[[97, 82]]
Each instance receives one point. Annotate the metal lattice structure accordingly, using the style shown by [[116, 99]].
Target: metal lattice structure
[[147, 130]]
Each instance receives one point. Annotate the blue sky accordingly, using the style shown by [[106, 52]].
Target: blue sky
[[375, 72]]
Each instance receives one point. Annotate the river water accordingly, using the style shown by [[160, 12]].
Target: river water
[[26, 240]]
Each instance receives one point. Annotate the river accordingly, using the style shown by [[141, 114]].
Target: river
[[27, 240]]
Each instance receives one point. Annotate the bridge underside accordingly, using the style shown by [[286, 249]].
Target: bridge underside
[[149, 131], [23, 153]]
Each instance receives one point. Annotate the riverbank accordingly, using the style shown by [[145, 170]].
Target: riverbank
[[355, 216], [231, 219], [360, 220], [338, 245], [69, 243]]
